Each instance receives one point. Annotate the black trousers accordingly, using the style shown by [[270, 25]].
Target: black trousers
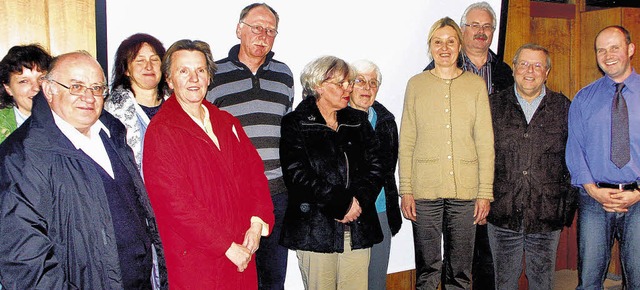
[[450, 220], [271, 257], [482, 271]]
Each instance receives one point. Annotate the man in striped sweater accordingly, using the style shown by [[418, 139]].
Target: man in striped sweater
[[258, 90]]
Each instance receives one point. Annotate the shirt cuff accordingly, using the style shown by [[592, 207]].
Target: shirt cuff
[[265, 226]]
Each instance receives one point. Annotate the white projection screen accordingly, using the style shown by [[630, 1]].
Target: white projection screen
[[392, 34]]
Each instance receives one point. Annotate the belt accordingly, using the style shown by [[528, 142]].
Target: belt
[[622, 186]]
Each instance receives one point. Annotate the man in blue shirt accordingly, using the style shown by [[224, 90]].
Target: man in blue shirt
[[609, 188]]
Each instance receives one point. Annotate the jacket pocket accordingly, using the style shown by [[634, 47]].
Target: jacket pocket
[[426, 173], [468, 173]]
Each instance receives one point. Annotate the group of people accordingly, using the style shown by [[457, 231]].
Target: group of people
[[191, 173]]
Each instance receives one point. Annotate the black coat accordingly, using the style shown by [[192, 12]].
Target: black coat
[[387, 134], [55, 224], [323, 169], [531, 187]]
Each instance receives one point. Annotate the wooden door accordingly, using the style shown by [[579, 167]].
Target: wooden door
[[58, 25]]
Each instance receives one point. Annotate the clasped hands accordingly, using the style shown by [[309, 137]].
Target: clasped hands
[[240, 255], [613, 200]]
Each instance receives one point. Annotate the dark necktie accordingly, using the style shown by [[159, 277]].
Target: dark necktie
[[619, 129]]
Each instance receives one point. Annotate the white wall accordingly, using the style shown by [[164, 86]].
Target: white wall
[[392, 34]]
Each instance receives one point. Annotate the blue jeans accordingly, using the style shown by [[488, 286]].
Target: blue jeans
[[379, 260], [271, 257], [450, 220], [539, 251], [597, 230]]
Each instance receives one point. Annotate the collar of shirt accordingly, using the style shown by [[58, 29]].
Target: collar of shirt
[[484, 71], [206, 125], [631, 83], [20, 117], [468, 65], [530, 108], [91, 145], [372, 116]]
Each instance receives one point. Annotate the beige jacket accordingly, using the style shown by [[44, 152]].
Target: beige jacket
[[446, 138]]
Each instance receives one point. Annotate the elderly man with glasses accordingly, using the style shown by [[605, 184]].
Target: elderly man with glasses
[[258, 90], [533, 197], [74, 212]]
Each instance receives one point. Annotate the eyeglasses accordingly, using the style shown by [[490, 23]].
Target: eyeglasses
[[80, 90], [477, 26], [346, 84], [257, 29], [361, 82], [524, 65]]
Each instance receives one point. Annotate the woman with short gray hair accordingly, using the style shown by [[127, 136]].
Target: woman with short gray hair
[[332, 170]]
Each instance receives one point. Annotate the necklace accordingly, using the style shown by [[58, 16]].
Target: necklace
[[458, 73]]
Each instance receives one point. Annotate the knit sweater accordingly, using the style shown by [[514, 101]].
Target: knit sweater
[[446, 138], [259, 101]]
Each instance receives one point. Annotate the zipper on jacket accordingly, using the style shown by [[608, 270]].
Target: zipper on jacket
[[346, 159]]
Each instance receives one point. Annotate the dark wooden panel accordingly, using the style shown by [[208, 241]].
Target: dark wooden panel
[[405, 280], [552, 10], [547, 32]]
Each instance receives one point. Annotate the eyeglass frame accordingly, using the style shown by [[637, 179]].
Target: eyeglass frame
[[84, 91], [260, 29], [524, 65], [373, 83], [478, 27], [341, 84]]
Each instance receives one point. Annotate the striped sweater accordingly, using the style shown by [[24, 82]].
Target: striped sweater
[[259, 101]]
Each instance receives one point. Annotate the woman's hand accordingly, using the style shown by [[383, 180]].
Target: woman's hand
[[354, 212], [239, 255], [408, 205], [481, 211], [252, 237]]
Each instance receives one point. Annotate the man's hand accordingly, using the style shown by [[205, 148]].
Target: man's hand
[[238, 255], [252, 237], [604, 196], [625, 200], [354, 212], [408, 205], [481, 211]]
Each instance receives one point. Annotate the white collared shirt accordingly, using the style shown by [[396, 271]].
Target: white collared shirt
[[205, 124], [91, 145], [20, 117]]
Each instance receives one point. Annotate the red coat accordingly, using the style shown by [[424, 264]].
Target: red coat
[[203, 197]]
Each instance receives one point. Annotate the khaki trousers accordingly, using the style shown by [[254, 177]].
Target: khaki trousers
[[340, 271]]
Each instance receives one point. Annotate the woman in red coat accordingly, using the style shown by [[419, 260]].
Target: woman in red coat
[[205, 181]]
